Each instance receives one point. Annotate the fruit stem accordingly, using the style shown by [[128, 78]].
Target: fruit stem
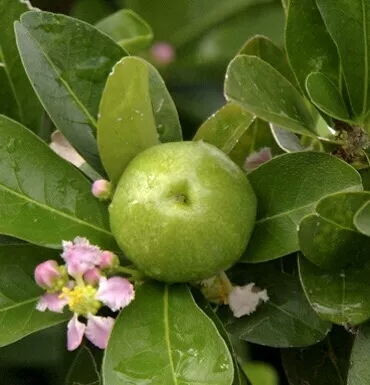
[[136, 275]]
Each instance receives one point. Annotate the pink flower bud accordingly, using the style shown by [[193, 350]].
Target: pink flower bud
[[162, 53], [47, 273], [92, 276], [102, 189], [108, 260]]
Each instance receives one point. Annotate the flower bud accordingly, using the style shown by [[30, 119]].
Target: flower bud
[[50, 276], [102, 189], [92, 276], [162, 53], [108, 260]]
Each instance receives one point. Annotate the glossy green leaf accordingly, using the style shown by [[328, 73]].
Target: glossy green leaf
[[17, 98], [286, 320], [19, 293], [128, 29], [326, 96], [136, 112], [288, 187], [341, 297], [324, 363], [84, 369], [45, 199], [359, 370], [226, 127], [239, 376], [152, 340], [348, 22], [261, 373], [262, 90], [68, 62], [318, 53], [362, 219], [265, 49], [329, 238]]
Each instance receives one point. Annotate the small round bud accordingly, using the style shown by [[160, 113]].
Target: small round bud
[[49, 275], [102, 189], [162, 53], [108, 260], [92, 276]]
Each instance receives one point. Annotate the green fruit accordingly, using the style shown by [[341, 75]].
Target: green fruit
[[183, 211]]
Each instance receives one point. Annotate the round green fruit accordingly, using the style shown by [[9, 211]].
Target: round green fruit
[[182, 211]]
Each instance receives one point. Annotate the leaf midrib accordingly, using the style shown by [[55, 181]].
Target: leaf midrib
[[53, 210], [366, 58], [62, 80], [167, 334]]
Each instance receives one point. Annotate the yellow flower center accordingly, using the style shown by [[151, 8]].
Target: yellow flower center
[[81, 299]]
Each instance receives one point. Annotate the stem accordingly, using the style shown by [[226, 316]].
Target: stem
[[126, 270]]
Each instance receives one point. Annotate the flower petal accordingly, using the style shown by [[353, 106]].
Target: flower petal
[[60, 145], [80, 256], [257, 158], [52, 302], [75, 333], [98, 330], [115, 292], [243, 300]]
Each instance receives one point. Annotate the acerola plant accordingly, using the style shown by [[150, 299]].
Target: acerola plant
[[165, 255]]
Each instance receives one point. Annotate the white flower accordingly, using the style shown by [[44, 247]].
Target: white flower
[[243, 300]]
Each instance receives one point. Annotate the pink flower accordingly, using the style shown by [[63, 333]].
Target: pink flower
[[52, 302], [80, 256], [97, 330], [92, 276], [102, 189], [257, 158], [243, 300], [115, 292], [108, 260], [75, 333], [163, 53], [47, 273]]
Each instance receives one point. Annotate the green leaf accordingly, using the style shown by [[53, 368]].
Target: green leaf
[[288, 187], [258, 87], [239, 376], [265, 49], [19, 293], [326, 96], [348, 22], [128, 29], [359, 371], [45, 199], [324, 363], [318, 53], [362, 219], [261, 373], [68, 62], [136, 112], [226, 127], [340, 297], [286, 320], [329, 238], [17, 98], [151, 340], [84, 369]]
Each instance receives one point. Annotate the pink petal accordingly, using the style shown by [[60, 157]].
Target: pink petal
[[80, 256], [52, 302], [75, 333], [98, 330], [115, 292], [257, 158], [46, 273]]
